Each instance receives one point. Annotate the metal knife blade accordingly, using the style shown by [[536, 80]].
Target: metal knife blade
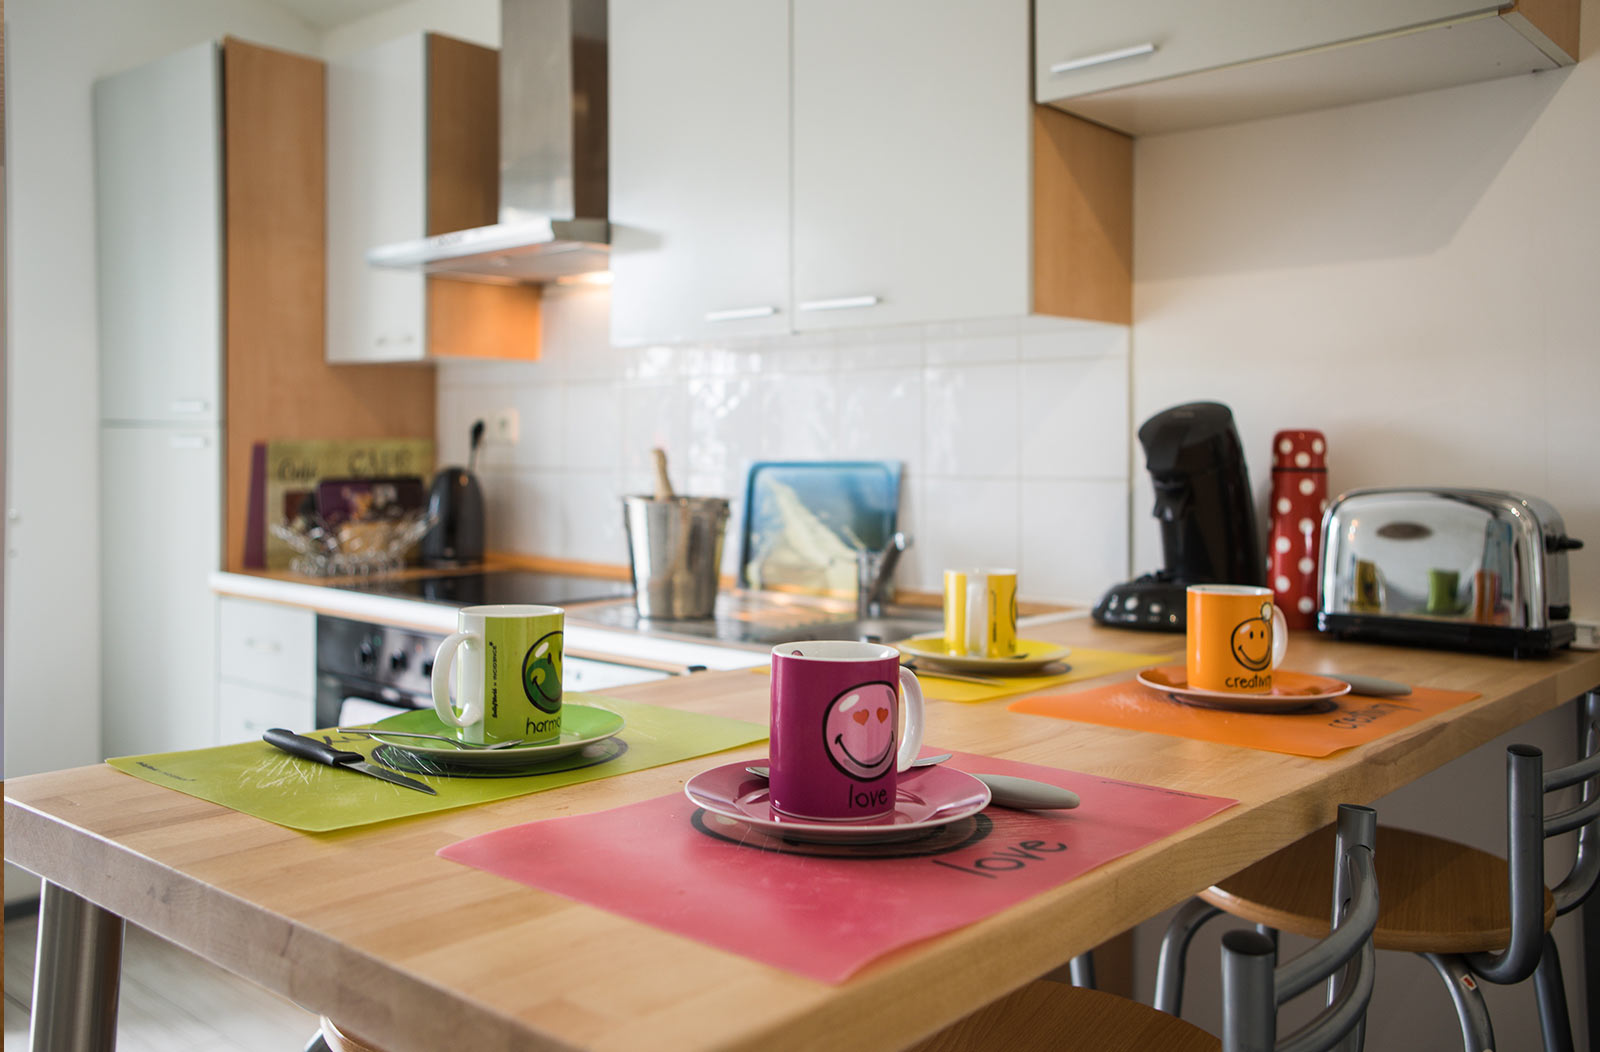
[[323, 753]]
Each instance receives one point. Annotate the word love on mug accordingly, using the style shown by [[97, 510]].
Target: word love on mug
[[837, 744]]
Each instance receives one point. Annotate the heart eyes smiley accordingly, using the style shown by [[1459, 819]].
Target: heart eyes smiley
[[862, 716]]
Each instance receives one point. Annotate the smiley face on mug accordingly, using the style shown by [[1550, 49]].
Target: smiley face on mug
[[859, 728], [1252, 640]]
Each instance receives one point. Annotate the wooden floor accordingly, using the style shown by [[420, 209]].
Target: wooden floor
[[171, 1001]]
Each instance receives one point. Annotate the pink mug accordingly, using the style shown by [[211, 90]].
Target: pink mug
[[835, 722]]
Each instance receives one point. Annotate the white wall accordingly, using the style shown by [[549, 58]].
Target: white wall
[[55, 50], [1419, 278], [1012, 434]]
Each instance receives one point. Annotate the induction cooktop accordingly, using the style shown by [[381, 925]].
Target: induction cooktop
[[494, 587]]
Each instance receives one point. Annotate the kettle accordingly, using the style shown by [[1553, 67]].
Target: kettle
[[455, 504]]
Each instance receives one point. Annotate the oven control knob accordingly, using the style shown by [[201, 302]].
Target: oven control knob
[[397, 661], [427, 668], [367, 654]]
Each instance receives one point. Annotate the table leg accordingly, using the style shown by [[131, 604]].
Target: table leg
[[76, 974]]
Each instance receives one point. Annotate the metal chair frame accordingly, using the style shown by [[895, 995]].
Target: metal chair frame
[[1530, 951], [1254, 985]]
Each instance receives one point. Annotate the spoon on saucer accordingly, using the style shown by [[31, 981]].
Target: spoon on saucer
[[1020, 794]]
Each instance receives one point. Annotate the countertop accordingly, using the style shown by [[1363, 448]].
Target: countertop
[[369, 926]]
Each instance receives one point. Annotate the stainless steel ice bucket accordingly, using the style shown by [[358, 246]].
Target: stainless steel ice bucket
[[675, 548]]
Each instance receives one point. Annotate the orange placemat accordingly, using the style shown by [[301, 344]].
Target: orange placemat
[[1082, 663], [1346, 721]]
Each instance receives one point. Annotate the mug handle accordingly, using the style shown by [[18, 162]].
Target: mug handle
[[471, 707], [978, 614], [1280, 636], [911, 740]]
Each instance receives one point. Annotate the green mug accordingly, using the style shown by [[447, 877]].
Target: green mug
[[508, 674]]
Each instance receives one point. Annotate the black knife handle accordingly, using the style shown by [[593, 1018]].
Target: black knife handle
[[309, 748]]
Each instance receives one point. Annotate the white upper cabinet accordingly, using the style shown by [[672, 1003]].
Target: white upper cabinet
[[377, 187], [699, 169], [781, 166], [911, 161], [158, 189], [1166, 65]]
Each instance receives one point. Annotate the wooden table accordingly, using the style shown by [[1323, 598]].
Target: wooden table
[[416, 953]]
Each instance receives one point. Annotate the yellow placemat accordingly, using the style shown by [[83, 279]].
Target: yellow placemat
[[1081, 664], [263, 781]]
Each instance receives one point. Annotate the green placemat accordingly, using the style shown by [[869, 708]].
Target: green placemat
[[260, 780]]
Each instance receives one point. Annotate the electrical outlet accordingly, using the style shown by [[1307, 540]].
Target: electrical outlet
[[502, 429]]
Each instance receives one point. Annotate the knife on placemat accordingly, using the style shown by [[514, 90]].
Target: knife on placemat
[[311, 749]]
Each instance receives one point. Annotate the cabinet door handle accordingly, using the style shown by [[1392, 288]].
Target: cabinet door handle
[[740, 313], [190, 406], [844, 303], [1101, 59], [189, 441], [268, 646]]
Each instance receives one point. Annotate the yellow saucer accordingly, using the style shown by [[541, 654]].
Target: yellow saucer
[[1031, 656]]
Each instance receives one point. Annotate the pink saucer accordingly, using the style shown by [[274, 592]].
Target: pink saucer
[[927, 798], [1290, 690]]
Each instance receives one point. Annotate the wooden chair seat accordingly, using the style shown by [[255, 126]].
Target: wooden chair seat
[[1437, 896], [1047, 1016]]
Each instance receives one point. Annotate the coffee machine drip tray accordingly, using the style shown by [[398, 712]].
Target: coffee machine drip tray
[[1154, 602]]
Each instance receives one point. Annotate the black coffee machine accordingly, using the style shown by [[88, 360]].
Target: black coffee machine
[[1208, 519], [455, 503]]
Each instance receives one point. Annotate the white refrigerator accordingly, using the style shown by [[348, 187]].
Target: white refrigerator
[[159, 222]]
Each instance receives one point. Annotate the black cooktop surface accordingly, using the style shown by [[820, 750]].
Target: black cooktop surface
[[500, 586]]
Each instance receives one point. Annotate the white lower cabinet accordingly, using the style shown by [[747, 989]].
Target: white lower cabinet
[[266, 665], [245, 713]]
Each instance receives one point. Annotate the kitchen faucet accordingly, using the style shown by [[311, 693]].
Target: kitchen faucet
[[874, 572]]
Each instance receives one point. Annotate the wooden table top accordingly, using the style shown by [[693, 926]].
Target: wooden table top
[[417, 954]]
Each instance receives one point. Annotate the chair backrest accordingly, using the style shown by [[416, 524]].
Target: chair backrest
[[1253, 987], [1527, 828]]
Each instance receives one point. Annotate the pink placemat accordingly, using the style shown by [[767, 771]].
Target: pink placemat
[[825, 911]]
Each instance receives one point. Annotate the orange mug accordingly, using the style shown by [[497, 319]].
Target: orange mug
[[1236, 638]]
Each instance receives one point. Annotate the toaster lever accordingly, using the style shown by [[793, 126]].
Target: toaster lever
[[1561, 543]]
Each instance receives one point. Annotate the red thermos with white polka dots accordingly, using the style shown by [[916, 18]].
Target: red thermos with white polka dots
[[1299, 497]]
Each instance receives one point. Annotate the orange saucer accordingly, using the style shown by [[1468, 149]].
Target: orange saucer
[[1290, 690]]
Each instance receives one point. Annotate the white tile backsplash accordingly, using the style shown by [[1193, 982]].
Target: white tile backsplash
[[970, 423], [1071, 426], [1073, 533], [1008, 431], [968, 522]]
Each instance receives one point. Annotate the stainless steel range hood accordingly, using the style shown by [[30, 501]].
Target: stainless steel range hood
[[553, 183]]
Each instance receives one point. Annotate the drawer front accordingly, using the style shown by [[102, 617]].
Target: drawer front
[[581, 674], [245, 713], [1084, 46], [267, 645]]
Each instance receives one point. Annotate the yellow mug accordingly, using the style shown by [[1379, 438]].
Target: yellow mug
[[1236, 638], [980, 613]]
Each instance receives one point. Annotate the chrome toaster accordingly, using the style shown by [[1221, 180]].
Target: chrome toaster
[[1460, 569]]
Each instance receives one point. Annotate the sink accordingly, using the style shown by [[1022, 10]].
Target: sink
[[897, 624]]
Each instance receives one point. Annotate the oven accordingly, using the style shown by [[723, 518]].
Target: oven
[[367, 671]]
